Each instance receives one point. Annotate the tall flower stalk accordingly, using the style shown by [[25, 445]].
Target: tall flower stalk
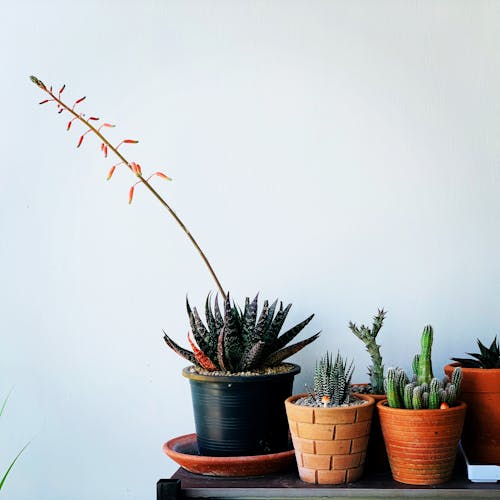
[[107, 147]]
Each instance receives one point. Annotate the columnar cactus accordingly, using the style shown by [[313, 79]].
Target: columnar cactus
[[425, 391], [424, 368], [332, 380], [423, 396], [368, 337]]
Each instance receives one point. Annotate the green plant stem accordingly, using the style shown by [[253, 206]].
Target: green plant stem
[[141, 179]]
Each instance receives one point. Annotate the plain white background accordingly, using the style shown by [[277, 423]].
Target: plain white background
[[339, 155]]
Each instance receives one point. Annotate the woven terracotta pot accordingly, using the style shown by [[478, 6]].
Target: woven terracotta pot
[[330, 443], [421, 444], [481, 435]]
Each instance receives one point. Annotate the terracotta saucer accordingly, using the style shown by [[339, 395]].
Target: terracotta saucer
[[184, 451]]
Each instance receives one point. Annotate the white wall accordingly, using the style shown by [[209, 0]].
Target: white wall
[[339, 155]]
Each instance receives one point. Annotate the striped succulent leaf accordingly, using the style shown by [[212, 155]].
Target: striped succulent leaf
[[180, 350], [277, 357], [278, 322], [235, 340], [289, 335]]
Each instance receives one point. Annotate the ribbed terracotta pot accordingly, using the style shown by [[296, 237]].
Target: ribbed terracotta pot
[[421, 444], [481, 435], [330, 443]]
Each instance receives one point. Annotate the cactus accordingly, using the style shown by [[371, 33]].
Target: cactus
[[425, 391], [434, 394], [236, 341], [424, 368], [368, 337], [401, 394], [332, 381]]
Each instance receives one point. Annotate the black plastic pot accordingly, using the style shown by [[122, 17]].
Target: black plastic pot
[[237, 415]]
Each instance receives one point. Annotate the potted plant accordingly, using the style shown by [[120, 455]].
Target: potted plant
[[330, 427], [481, 392], [376, 456], [422, 420], [236, 356], [238, 378]]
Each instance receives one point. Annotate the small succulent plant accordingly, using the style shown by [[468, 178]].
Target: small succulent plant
[[424, 391], [332, 380], [488, 357], [368, 336], [235, 341]]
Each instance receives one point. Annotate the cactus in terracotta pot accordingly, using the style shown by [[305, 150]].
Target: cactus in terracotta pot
[[422, 418], [424, 391]]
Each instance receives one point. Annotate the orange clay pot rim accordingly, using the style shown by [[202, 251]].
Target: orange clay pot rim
[[482, 371], [383, 406], [369, 399]]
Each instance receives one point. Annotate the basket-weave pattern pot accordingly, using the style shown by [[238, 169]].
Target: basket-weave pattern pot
[[421, 444], [330, 443]]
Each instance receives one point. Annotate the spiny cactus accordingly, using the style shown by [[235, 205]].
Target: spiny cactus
[[332, 380], [420, 397], [488, 357], [368, 337], [424, 391], [238, 341]]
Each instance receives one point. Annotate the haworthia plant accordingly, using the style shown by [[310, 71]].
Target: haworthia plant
[[236, 341], [424, 391], [332, 380]]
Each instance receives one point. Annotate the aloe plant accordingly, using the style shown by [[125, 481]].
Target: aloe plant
[[236, 341]]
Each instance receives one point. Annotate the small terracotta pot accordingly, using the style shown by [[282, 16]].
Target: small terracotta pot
[[481, 392], [421, 444], [376, 455], [330, 443]]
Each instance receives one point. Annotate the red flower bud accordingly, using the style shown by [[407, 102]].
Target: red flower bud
[[93, 118], [62, 89], [136, 168], [130, 195], [111, 172], [80, 141], [130, 141], [163, 176], [80, 100]]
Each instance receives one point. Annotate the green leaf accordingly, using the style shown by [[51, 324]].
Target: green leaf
[[13, 462]]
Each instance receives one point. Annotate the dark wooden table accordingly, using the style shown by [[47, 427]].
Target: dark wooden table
[[183, 484]]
